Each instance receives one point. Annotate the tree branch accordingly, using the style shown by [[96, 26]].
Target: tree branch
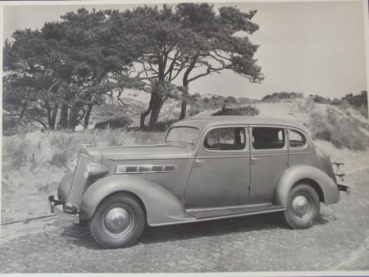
[[37, 120], [119, 99], [221, 56], [208, 71]]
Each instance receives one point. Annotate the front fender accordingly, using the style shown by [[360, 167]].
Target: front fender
[[297, 173], [162, 207]]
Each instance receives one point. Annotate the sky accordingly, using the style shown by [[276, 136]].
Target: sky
[[308, 47]]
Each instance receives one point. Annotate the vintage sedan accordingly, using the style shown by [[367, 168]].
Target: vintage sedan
[[206, 169]]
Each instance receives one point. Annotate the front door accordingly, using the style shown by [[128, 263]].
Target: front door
[[269, 160], [221, 172]]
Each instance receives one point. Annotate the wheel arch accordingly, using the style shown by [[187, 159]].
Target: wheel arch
[[161, 206], [314, 185], [135, 196], [323, 185]]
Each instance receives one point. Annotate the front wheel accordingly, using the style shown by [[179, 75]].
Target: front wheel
[[303, 207], [118, 221]]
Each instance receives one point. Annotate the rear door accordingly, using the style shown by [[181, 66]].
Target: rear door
[[269, 160]]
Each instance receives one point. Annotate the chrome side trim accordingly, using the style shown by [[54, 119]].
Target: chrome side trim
[[144, 169], [194, 219], [227, 207], [146, 158]]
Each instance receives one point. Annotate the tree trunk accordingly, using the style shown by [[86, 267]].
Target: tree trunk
[[23, 110], [143, 117], [87, 116], [184, 103], [63, 121], [48, 111], [53, 117], [185, 97], [155, 111], [73, 116], [146, 113]]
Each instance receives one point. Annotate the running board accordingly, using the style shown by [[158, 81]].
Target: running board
[[228, 212]]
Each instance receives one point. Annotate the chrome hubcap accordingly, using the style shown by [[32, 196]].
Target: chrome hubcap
[[117, 221], [301, 206]]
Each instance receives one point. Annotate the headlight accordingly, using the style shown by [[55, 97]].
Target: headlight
[[93, 170]]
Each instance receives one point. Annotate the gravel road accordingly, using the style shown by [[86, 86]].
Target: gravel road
[[338, 241]]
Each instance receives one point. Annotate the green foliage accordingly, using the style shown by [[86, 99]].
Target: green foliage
[[230, 100], [247, 110], [322, 100], [341, 131], [66, 63], [280, 96], [59, 159], [16, 152], [162, 126], [74, 62], [119, 122], [357, 101], [194, 111]]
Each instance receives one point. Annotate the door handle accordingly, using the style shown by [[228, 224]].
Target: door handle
[[254, 160], [199, 162]]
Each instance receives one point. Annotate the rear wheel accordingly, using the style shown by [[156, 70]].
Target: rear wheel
[[303, 207], [118, 221]]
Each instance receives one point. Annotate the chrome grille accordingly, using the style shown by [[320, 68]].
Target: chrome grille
[[79, 181]]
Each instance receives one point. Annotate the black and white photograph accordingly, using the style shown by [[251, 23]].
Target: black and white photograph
[[185, 137]]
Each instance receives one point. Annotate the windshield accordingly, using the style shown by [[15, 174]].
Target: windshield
[[187, 135]]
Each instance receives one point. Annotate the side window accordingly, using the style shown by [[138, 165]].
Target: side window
[[297, 139], [226, 139], [268, 138]]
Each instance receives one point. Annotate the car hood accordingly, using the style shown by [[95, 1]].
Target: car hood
[[161, 151]]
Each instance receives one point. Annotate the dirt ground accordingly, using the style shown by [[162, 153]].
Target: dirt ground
[[338, 242]]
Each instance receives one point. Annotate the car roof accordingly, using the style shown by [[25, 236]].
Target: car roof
[[205, 122]]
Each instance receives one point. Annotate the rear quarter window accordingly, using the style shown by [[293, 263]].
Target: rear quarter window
[[297, 139]]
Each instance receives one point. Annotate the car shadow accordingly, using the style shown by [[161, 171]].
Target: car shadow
[[323, 219], [219, 227], [81, 237]]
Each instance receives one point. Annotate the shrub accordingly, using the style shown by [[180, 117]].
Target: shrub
[[278, 96], [12, 126], [16, 152], [119, 122], [320, 99], [20, 154], [357, 100], [194, 111], [341, 131], [247, 110], [231, 100], [59, 159], [162, 126]]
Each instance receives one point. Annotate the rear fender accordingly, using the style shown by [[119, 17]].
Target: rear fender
[[162, 207], [297, 173]]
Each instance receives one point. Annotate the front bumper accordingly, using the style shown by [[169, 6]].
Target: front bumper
[[345, 188], [54, 203]]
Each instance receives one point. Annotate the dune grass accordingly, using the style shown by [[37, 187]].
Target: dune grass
[[34, 163], [342, 131]]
